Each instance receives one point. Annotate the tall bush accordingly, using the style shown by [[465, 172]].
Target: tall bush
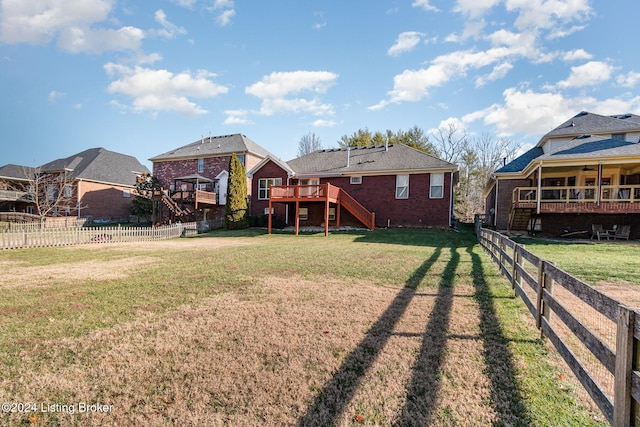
[[236, 209]]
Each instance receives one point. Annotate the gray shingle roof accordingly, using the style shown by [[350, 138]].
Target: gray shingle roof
[[364, 160], [212, 146], [100, 165], [594, 147], [16, 172], [589, 123], [520, 163]]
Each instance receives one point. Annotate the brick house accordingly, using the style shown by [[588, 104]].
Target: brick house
[[95, 183], [380, 186], [194, 177], [585, 172], [100, 183]]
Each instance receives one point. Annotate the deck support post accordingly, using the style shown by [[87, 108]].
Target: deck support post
[[326, 217], [297, 216], [269, 218]]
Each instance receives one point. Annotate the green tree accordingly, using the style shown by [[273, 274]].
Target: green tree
[[414, 137], [142, 205], [236, 209]]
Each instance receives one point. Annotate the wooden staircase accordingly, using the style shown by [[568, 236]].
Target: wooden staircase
[[356, 209], [519, 219]]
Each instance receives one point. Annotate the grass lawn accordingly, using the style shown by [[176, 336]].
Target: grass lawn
[[610, 266], [392, 327]]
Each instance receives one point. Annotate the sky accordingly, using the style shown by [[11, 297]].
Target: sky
[[144, 77]]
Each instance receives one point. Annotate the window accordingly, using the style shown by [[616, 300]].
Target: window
[[52, 192], [30, 210], [126, 193], [437, 186], [332, 214], [263, 187], [356, 180], [303, 214], [241, 158], [68, 191], [202, 187], [200, 165], [620, 136], [266, 211], [402, 186]]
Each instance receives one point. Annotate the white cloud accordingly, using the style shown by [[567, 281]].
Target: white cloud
[[160, 90], [405, 43], [589, 74], [77, 40], [631, 79], [185, 3], [54, 95], [425, 5], [38, 22], [277, 92], [225, 10], [322, 123], [237, 117], [548, 14], [71, 22], [474, 9], [536, 113], [576, 55], [169, 30], [499, 72]]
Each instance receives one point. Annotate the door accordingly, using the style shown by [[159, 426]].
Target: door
[[221, 187]]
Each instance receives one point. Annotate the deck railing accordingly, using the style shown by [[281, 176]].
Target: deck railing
[[588, 194], [318, 191], [14, 196]]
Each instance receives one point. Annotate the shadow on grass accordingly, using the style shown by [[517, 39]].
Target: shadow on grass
[[339, 390], [422, 393], [506, 399]]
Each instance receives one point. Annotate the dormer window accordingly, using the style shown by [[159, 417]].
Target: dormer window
[[619, 136]]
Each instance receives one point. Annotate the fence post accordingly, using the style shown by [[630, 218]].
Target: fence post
[[624, 368], [544, 282], [514, 271]]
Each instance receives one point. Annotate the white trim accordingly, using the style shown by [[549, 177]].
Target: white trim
[[402, 187], [431, 186]]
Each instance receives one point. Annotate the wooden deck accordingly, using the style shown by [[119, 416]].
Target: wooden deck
[[321, 193]]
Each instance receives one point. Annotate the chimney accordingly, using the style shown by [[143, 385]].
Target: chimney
[[504, 161], [386, 145], [348, 154]]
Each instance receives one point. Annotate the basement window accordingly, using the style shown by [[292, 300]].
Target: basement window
[[303, 214], [355, 180]]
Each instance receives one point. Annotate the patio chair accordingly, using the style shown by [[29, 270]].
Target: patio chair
[[598, 231], [622, 232]]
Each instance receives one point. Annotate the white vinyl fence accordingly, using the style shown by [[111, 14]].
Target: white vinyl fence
[[38, 237]]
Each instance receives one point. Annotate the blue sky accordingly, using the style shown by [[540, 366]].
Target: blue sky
[[142, 78]]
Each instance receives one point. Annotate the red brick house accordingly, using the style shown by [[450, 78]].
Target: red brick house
[[95, 183], [583, 173], [194, 177], [381, 186]]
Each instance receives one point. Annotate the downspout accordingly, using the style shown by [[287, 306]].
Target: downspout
[[78, 197], [539, 192], [495, 206], [599, 184]]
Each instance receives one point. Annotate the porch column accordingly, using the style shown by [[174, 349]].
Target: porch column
[[326, 217], [269, 217], [297, 216], [539, 192], [599, 185]]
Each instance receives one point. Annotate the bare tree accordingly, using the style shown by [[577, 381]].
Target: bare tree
[[48, 193], [450, 142], [493, 153], [308, 144]]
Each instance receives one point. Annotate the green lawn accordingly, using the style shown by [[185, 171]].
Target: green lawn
[[591, 261], [404, 327]]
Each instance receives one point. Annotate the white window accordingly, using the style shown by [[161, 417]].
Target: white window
[[402, 186], [30, 210], [126, 193], [200, 165], [303, 214], [263, 187], [620, 136], [355, 180], [266, 211], [202, 187], [52, 192], [437, 186]]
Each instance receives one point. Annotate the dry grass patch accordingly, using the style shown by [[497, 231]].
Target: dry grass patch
[[96, 271]]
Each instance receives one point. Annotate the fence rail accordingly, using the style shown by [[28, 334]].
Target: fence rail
[[598, 336], [46, 237]]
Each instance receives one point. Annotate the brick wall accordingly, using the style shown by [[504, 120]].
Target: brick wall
[[103, 200], [505, 195], [257, 207]]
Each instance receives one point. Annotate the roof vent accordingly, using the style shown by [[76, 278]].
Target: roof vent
[[585, 136]]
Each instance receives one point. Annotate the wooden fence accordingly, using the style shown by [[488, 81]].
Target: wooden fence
[[598, 336], [44, 237]]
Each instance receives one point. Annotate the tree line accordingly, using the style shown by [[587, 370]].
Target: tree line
[[477, 156]]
